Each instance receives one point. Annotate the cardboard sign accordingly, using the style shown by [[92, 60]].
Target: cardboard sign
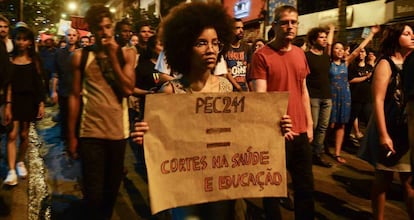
[[207, 147], [63, 27]]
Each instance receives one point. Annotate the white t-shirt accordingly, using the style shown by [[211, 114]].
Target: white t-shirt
[[221, 68]]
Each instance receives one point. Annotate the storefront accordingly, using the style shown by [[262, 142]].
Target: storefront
[[402, 11], [357, 16]]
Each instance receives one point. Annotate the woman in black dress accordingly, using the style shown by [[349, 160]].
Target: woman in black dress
[[25, 99]]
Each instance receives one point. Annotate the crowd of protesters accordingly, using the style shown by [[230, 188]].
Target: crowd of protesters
[[100, 85]]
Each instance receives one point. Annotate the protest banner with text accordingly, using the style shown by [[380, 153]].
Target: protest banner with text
[[206, 147]]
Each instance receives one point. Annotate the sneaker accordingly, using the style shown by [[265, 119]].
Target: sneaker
[[359, 135], [11, 178], [21, 169]]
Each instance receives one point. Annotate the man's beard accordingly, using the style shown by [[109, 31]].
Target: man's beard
[[319, 47], [239, 37]]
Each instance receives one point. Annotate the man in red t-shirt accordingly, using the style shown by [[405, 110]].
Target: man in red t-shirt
[[281, 66]]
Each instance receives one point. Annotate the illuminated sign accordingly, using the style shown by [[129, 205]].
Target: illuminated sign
[[242, 9], [247, 10]]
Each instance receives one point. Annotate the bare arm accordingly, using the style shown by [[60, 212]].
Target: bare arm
[[360, 78], [7, 109], [374, 29], [330, 38], [74, 103], [54, 95], [167, 88], [165, 77], [306, 104], [259, 85], [380, 82]]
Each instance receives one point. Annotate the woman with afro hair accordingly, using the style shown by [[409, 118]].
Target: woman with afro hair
[[194, 35]]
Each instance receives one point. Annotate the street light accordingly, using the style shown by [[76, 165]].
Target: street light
[[72, 6]]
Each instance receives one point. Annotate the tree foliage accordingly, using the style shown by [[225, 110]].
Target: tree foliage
[[38, 14], [139, 16]]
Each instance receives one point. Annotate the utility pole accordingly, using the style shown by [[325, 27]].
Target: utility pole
[[342, 20], [21, 11]]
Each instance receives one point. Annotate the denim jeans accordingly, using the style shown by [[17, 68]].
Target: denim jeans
[[299, 165], [321, 112], [102, 166]]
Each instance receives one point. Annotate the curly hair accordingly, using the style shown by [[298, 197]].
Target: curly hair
[[185, 23], [390, 39], [95, 14], [121, 23], [313, 34]]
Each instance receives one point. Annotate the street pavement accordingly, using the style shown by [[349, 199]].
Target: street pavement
[[341, 192]]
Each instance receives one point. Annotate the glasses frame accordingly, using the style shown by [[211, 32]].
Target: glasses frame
[[205, 45]]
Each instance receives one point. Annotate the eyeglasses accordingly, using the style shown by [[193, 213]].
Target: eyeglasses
[[203, 44], [285, 23]]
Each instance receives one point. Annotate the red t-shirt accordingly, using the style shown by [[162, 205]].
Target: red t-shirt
[[284, 71]]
